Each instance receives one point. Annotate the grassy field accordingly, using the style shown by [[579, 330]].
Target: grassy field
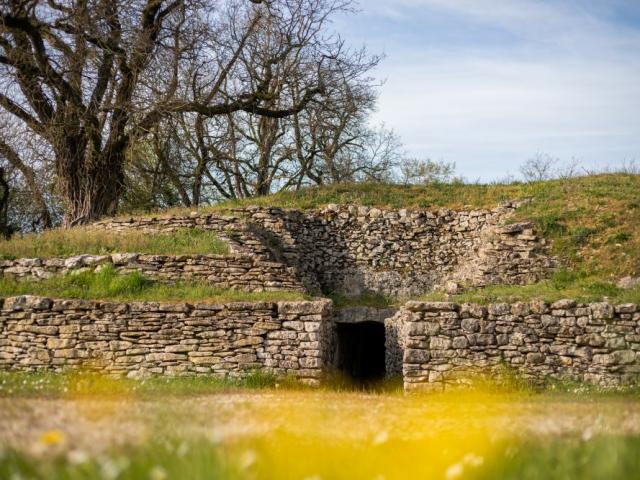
[[107, 284], [202, 429], [77, 241]]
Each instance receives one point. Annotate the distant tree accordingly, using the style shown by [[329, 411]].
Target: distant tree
[[425, 171], [540, 167]]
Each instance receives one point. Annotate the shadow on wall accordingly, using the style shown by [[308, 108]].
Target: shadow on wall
[[356, 250]]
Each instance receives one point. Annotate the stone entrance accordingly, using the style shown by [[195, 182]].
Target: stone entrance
[[360, 352]]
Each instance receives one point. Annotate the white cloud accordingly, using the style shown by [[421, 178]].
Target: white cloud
[[569, 86]]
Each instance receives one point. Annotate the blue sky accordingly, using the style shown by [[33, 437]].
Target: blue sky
[[489, 83]]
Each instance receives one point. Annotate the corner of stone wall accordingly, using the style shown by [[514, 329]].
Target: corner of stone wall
[[394, 327], [447, 344], [312, 320]]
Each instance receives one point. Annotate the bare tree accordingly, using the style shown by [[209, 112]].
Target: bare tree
[[243, 153], [91, 76], [540, 167], [424, 171], [24, 158]]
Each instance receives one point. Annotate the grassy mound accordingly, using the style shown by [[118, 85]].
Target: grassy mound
[[77, 241], [107, 284], [593, 221]]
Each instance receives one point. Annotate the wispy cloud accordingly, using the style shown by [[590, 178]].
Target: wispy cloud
[[489, 83]]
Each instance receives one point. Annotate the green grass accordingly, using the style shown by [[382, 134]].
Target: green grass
[[107, 284], [606, 457], [162, 459], [563, 284], [64, 243], [78, 384]]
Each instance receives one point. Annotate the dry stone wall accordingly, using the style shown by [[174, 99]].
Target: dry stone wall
[[236, 271], [139, 338], [404, 253], [355, 250], [445, 342], [432, 344]]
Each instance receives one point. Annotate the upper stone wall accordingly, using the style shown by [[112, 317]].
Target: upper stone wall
[[445, 342], [353, 250], [237, 271]]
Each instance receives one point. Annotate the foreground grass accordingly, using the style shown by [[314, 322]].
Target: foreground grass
[[107, 284], [603, 457], [78, 241], [269, 433], [79, 384]]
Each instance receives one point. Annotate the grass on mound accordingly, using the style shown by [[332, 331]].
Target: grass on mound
[[593, 221], [77, 241], [107, 284], [563, 284]]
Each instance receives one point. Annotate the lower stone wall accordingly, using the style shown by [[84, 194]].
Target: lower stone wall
[[445, 342], [134, 339], [236, 271], [432, 344]]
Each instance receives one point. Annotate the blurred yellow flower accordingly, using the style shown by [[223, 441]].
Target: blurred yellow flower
[[52, 437]]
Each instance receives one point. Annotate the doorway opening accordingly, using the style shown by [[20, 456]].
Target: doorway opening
[[361, 351]]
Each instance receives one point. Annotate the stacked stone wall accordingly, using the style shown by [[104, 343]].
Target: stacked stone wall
[[445, 343], [355, 250], [139, 338], [432, 344], [237, 271]]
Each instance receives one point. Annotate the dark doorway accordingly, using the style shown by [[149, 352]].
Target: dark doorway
[[360, 351]]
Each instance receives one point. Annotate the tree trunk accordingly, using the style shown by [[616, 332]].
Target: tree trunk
[[90, 189], [6, 230]]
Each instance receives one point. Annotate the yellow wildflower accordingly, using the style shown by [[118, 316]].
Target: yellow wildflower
[[52, 437]]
